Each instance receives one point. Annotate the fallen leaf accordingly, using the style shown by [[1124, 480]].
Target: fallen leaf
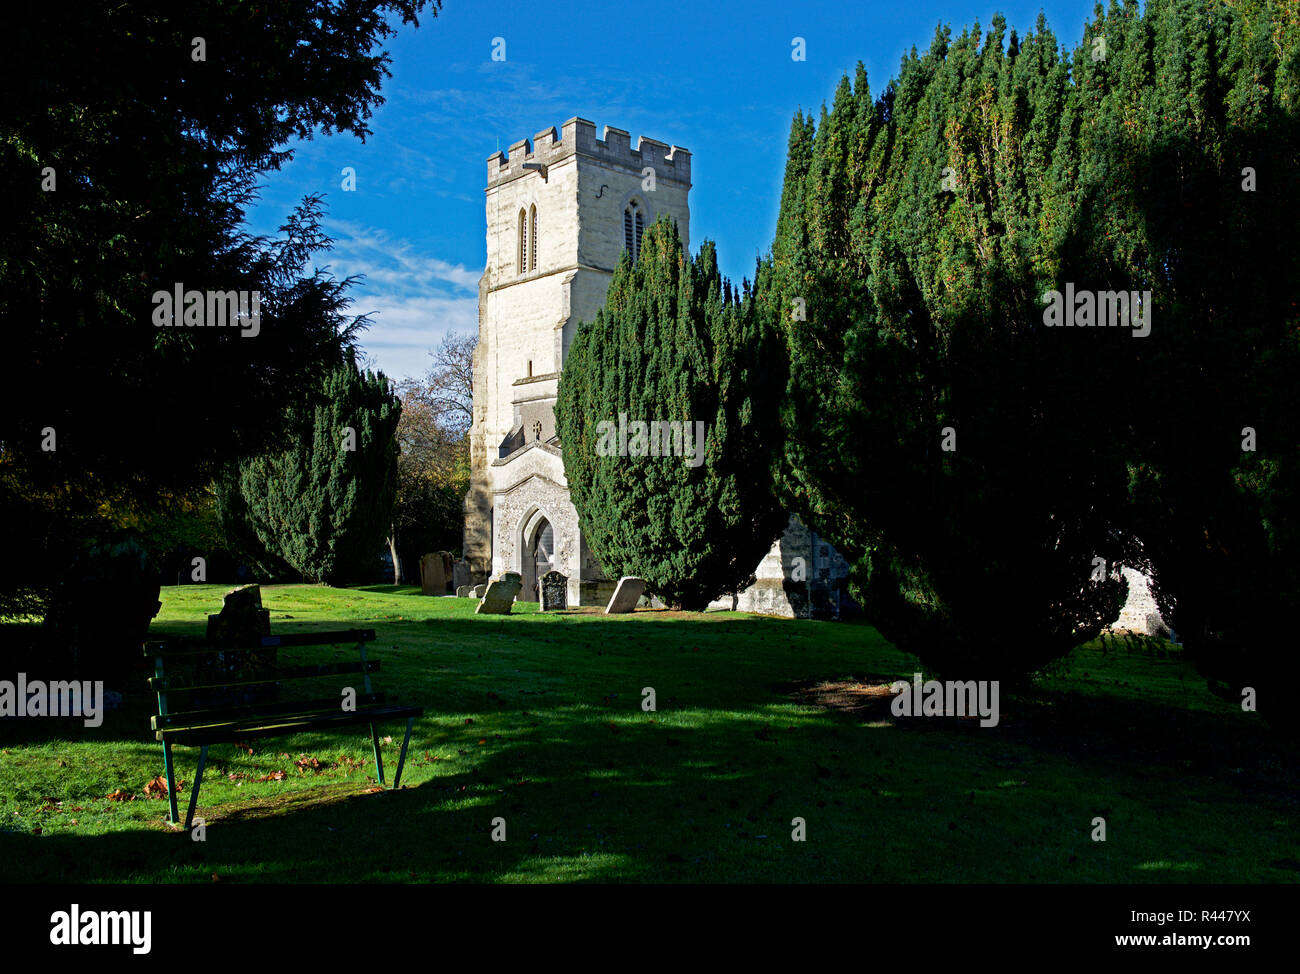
[[119, 795], [156, 788], [273, 776]]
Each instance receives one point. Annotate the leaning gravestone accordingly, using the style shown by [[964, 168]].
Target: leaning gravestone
[[464, 591], [626, 595], [478, 591], [500, 594], [433, 581], [241, 622], [555, 591]]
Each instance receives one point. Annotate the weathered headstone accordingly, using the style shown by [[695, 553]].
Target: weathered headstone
[[625, 595], [500, 594], [460, 575], [448, 566], [479, 591], [241, 622], [464, 591], [432, 579], [555, 591]]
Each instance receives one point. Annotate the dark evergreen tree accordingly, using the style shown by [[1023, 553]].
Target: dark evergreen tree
[[934, 425], [674, 344], [325, 503], [1190, 173], [1159, 156], [132, 139]]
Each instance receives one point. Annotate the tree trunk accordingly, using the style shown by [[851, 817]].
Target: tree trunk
[[397, 561]]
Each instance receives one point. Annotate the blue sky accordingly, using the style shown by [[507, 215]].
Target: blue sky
[[713, 76]]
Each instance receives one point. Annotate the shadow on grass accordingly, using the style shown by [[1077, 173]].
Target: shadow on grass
[[536, 720]]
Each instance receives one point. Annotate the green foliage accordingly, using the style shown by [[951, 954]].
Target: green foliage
[[101, 612], [1214, 89], [323, 507], [924, 228], [673, 343], [935, 427], [155, 157]]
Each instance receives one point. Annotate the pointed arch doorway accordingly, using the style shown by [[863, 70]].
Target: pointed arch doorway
[[539, 558]]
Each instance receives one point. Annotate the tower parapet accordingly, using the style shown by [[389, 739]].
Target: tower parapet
[[578, 136]]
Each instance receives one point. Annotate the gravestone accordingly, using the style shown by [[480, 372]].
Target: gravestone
[[555, 591], [432, 579], [626, 595], [464, 591], [460, 575], [500, 594], [241, 622], [478, 591], [448, 566]]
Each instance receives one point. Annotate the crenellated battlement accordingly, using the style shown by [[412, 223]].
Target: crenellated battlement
[[578, 136]]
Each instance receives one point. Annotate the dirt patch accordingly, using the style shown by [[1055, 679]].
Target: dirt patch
[[868, 698]]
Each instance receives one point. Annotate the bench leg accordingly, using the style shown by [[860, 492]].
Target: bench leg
[[379, 761], [170, 770], [194, 792], [401, 758]]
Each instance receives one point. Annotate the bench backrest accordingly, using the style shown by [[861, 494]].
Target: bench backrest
[[199, 683]]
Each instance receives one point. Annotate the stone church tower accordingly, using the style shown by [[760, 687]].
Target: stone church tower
[[559, 213]]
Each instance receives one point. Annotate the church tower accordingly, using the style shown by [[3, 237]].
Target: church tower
[[560, 212]]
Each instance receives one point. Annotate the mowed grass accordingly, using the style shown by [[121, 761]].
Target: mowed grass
[[536, 719]]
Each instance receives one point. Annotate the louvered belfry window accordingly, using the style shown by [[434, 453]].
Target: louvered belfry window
[[532, 238], [633, 227], [523, 241]]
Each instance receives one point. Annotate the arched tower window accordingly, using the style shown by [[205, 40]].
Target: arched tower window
[[633, 227], [532, 238], [523, 241]]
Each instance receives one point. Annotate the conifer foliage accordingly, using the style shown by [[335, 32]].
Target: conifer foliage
[[674, 344], [987, 473], [324, 504]]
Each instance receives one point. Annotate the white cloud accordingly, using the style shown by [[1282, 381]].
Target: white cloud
[[414, 298]]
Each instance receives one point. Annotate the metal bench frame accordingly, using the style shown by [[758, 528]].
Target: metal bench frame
[[162, 684]]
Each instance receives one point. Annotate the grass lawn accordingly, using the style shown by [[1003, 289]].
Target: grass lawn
[[536, 718]]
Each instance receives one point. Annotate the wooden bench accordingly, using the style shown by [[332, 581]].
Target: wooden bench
[[228, 697]]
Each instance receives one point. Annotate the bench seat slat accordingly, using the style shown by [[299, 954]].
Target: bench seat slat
[[266, 677], [189, 647], [258, 710], [286, 724]]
